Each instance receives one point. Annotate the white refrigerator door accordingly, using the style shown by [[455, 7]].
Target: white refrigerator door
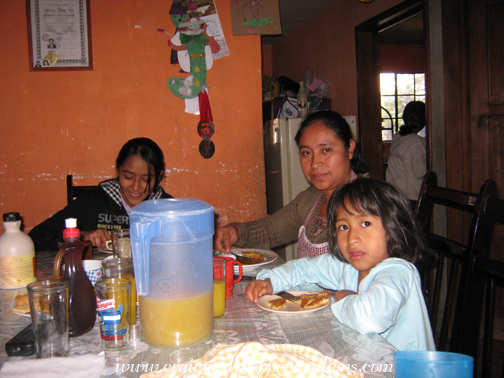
[[293, 179]]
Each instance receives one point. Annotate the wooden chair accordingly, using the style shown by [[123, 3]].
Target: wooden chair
[[460, 257], [492, 274], [424, 205], [73, 191]]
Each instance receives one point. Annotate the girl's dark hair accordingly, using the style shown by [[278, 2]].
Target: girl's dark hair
[[405, 238], [413, 117], [336, 123], [150, 152]]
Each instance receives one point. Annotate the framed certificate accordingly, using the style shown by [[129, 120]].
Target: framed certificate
[[59, 33]]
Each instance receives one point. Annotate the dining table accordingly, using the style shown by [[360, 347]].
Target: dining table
[[242, 322]]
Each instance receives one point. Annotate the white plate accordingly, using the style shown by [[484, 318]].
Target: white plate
[[105, 250], [12, 305], [269, 257], [292, 308]]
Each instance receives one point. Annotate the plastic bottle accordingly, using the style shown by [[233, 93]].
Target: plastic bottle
[[81, 294], [302, 101], [17, 255], [308, 76]]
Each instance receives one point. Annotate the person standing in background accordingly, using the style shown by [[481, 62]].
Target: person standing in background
[[407, 163]]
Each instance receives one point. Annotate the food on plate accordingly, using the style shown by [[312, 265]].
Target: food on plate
[[22, 300], [277, 304], [23, 306], [256, 257], [314, 300]]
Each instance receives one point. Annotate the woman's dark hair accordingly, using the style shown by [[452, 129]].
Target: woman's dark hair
[[150, 152], [336, 123], [413, 117], [405, 238]]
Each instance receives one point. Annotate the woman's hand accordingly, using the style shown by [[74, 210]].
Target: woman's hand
[[340, 294], [225, 237], [97, 237], [257, 289]]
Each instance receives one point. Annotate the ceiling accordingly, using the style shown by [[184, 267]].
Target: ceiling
[[294, 12]]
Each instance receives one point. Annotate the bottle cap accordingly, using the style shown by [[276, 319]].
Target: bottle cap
[[11, 217], [71, 230]]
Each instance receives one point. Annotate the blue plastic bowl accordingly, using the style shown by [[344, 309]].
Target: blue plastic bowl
[[423, 364]]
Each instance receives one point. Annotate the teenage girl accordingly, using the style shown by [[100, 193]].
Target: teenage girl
[[140, 168], [374, 241]]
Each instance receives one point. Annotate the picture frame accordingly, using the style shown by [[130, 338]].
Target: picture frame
[[59, 35]]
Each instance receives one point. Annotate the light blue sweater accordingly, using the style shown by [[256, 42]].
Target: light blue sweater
[[389, 300]]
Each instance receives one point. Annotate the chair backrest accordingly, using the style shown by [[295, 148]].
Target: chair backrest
[[73, 191], [492, 273], [459, 257], [424, 206]]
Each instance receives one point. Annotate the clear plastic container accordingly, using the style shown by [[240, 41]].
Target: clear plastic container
[[171, 242], [17, 255], [81, 293]]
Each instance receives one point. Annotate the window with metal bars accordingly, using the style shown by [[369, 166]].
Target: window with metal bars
[[396, 91]]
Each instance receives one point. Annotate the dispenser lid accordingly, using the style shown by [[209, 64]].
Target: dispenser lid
[[11, 217], [171, 207]]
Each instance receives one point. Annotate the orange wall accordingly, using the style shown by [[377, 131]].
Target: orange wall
[[59, 123], [326, 43]]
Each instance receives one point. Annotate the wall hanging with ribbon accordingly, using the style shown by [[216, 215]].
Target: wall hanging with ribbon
[[195, 46]]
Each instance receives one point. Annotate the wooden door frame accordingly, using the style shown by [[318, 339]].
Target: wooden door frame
[[368, 80]]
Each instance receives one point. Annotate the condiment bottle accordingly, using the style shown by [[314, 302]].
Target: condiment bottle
[[302, 101], [81, 294], [17, 254]]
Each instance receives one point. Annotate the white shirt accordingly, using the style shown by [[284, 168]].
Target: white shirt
[[407, 164], [389, 300]]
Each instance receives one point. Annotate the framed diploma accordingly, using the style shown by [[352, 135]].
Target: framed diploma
[[59, 33]]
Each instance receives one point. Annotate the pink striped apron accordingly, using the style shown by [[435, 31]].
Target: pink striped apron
[[305, 247]]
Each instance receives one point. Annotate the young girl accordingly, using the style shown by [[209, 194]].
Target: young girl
[[374, 241]]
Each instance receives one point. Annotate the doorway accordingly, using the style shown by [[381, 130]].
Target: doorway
[[405, 19]]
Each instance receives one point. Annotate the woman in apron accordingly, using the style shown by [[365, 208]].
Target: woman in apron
[[329, 158]]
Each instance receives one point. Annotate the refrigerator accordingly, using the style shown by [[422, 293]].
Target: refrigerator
[[284, 176]]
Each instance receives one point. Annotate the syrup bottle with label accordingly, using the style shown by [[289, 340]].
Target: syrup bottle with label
[[17, 254], [81, 294]]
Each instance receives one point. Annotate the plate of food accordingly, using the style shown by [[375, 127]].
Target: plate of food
[[21, 305], [257, 257], [309, 301]]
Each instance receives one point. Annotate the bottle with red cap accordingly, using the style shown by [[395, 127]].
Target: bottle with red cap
[[81, 294]]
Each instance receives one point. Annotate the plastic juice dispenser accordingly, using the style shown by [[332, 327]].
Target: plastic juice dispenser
[[171, 244]]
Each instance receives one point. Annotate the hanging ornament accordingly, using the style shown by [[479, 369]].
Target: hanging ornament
[[191, 41], [206, 126], [194, 45]]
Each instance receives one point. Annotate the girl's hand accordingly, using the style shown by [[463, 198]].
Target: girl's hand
[[258, 288], [340, 294], [225, 237], [97, 237]]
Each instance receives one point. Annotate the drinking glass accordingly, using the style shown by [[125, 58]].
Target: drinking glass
[[113, 307], [49, 316]]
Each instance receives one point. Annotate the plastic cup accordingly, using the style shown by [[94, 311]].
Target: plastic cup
[[113, 306], [49, 316], [219, 287], [230, 281], [424, 364], [93, 269]]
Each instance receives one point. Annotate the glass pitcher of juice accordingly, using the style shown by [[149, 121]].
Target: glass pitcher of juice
[[171, 244]]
